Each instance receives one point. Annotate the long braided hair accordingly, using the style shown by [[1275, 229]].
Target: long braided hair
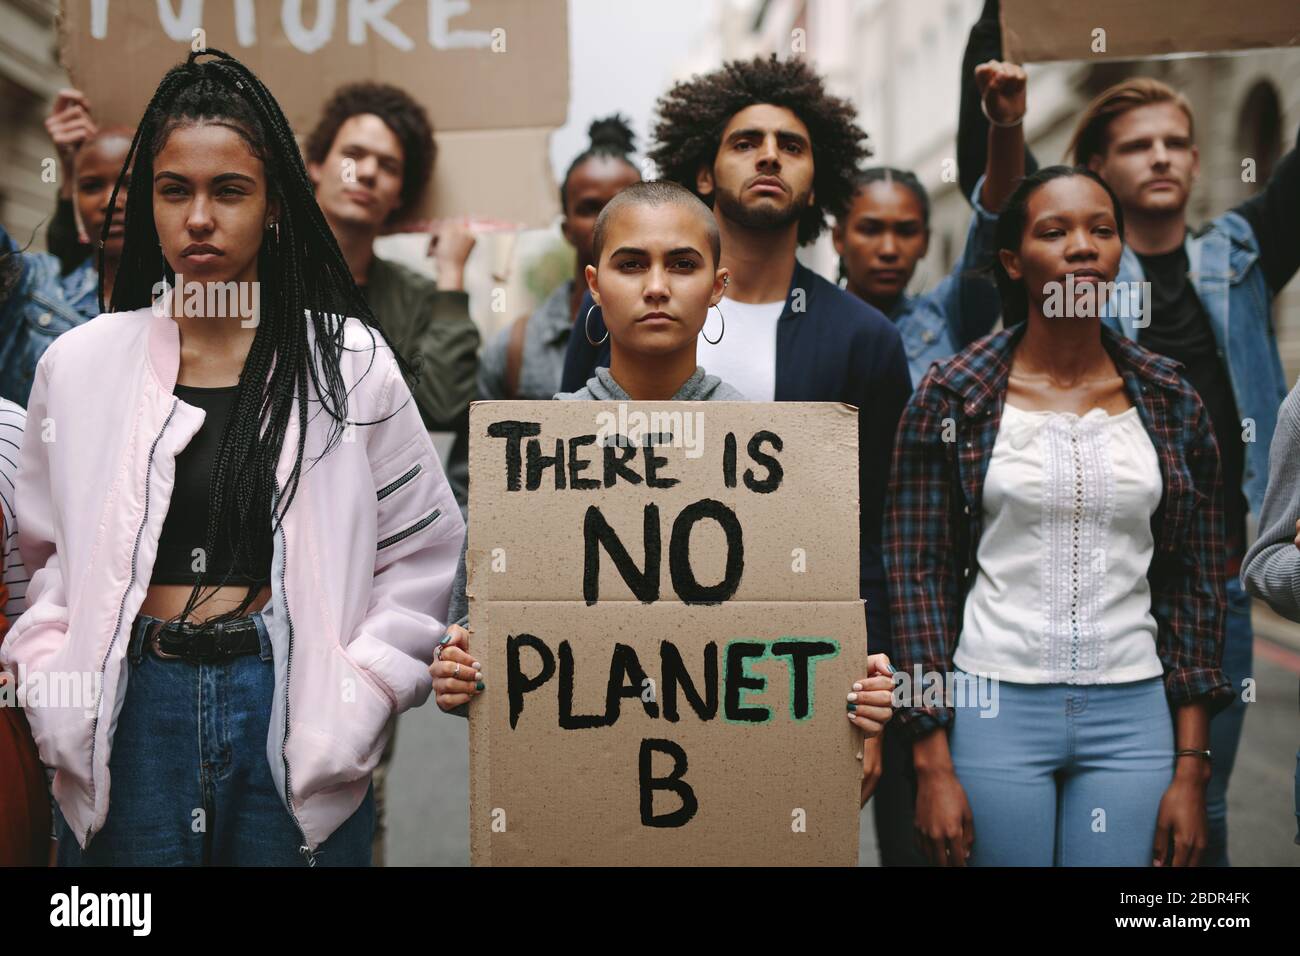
[[304, 281]]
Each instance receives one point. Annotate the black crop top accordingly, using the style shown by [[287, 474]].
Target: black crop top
[[186, 525]]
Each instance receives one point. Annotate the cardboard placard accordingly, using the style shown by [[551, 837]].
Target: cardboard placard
[[492, 74], [668, 628], [1039, 30]]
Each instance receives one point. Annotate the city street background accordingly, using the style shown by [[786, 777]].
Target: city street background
[[899, 62]]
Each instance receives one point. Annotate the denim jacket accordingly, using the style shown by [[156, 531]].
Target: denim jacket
[[963, 307], [37, 305], [1222, 262]]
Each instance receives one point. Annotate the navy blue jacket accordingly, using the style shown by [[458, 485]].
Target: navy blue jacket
[[830, 347]]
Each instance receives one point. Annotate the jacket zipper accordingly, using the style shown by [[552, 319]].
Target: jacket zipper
[[401, 535], [396, 483], [121, 610], [305, 848]]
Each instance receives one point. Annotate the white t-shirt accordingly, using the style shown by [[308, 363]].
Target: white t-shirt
[[1061, 594], [746, 357]]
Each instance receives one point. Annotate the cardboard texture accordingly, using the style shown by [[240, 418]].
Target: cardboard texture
[[1040, 30], [492, 74], [575, 755]]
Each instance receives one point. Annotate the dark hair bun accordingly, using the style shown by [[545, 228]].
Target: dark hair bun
[[612, 133]]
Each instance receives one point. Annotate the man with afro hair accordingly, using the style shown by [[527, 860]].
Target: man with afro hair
[[773, 154]]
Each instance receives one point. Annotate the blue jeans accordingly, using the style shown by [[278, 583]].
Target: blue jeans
[[1066, 775], [1225, 727], [191, 784]]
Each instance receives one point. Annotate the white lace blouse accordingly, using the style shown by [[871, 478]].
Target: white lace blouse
[[1061, 594]]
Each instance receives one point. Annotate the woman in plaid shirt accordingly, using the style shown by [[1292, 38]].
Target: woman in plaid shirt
[[1053, 532]]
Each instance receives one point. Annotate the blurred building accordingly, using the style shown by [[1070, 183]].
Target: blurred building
[[30, 76], [899, 62]]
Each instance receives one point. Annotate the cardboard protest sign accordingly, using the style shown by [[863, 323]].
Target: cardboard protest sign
[[1039, 30], [668, 623], [492, 74]]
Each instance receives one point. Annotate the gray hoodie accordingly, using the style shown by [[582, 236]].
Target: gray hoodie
[[1271, 569], [700, 387]]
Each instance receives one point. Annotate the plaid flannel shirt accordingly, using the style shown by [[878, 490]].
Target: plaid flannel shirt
[[934, 516]]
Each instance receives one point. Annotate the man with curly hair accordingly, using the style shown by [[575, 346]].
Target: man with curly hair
[[371, 157], [773, 154]]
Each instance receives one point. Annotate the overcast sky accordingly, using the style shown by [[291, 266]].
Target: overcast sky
[[621, 55]]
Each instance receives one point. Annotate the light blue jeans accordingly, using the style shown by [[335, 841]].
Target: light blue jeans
[[1066, 775]]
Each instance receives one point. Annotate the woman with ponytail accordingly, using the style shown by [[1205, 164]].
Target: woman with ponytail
[[526, 360], [241, 535]]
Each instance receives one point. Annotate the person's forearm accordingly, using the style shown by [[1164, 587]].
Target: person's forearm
[[1273, 575], [973, 128], [930, 754], [1005, 166], [1272, 567], [984, 44], [1192, 732]]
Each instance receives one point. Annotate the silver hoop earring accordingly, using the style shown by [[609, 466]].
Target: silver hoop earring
[[586, 328], [720, 334]]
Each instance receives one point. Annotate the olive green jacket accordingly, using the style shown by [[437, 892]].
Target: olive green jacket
[[432, 329]]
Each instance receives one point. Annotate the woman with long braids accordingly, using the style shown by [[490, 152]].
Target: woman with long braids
[[241, 534]]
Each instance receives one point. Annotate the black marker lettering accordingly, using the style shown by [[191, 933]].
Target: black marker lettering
[[674, 673], [568, 720], [513, 432], [596, 532], [577, 465], [517, 682], [616, 458], [674, 782], [737, 653], [679, 558], [774, 470], [801, 654], [538, 463]]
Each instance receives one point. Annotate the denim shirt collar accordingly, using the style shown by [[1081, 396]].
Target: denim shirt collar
[[81, 288], [552, 316]]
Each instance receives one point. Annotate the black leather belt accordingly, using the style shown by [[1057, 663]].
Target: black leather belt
[[203, 643]]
